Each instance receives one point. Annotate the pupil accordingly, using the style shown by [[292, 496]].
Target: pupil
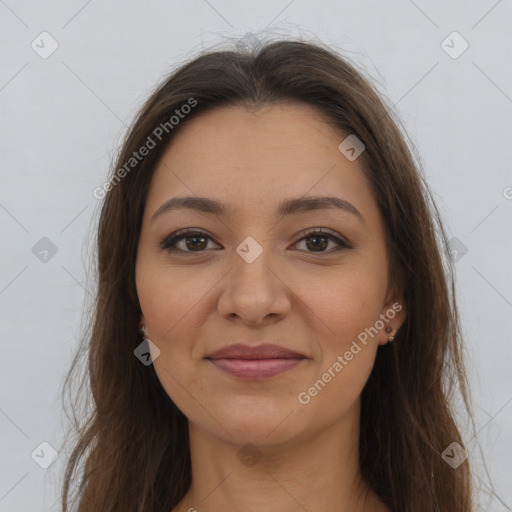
[[195, 245], [316, 239]]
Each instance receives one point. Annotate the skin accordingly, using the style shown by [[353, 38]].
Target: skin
[[311, 300]]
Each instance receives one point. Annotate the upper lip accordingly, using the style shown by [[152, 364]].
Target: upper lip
[[263, 351]]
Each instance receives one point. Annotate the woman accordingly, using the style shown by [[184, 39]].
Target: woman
[[275, 325]]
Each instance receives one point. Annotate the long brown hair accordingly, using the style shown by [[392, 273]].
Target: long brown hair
[[131, 452]]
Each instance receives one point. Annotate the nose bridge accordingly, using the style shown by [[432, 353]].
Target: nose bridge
[[251, 263], [253, 291]]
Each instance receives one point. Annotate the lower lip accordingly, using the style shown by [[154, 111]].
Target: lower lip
[[255, 368]]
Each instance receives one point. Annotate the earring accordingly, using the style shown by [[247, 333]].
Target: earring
[[143, 332], [388, 330]]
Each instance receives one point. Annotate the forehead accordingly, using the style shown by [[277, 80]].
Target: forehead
[[241, 136], [257, 158]]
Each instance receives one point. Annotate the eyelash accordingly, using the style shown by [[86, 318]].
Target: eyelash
[[168, 244]]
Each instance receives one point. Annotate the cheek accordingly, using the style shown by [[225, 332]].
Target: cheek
[[176, 303], [171, 304], [346, 344], [346, 313], [172, 297], [345, 304]]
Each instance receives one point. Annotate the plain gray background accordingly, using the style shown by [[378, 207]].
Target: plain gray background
[[61, 120]]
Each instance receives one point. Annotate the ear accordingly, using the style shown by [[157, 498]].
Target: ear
[[141, 321], [394, 310]]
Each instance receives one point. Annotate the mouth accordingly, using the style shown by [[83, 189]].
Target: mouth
[[255, 363]]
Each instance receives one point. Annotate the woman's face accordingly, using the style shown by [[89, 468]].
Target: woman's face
[[260, 274]]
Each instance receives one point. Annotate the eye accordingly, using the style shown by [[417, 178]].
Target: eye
[[319, 239], [193, 240], [197, 241]]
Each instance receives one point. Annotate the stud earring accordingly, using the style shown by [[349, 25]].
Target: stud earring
[[388, 330]]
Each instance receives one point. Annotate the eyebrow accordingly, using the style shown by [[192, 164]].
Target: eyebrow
[[285, 208]]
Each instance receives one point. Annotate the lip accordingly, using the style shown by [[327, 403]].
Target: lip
[[255, 362], [263, 351]]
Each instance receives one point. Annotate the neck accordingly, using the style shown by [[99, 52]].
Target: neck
[[314, 474]]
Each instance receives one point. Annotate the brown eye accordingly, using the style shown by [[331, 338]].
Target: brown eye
[[194, 241], [317, 240]]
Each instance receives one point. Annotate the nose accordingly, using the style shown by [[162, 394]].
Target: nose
[[255, 292]]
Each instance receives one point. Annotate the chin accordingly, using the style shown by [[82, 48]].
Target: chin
[[262, 421]]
